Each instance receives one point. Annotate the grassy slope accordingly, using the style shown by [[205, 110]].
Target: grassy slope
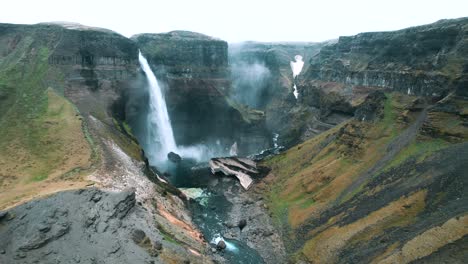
[[307, 180], [41, 135]]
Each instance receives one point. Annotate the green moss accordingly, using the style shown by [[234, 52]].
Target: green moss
[[127, 128]]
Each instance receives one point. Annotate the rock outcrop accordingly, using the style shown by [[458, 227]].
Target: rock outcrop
[[245, 170], [372, 108], [82, 226]]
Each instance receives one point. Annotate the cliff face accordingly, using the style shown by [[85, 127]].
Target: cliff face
[[427, 60], [63, 93], [193, 68]]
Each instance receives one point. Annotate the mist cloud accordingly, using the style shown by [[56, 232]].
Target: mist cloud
[[250, 83]]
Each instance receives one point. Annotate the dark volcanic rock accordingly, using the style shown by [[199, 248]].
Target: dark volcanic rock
[[200, 54], [174, 157], [67, 225]]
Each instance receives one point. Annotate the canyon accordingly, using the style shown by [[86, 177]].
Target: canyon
[[357, 156]]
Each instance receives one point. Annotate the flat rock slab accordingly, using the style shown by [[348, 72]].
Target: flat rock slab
[[242, 168]]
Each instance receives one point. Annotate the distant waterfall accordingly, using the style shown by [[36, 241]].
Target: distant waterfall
[[160, 137], [296, 67]]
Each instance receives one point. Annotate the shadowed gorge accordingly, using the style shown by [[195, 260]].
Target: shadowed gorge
[[180, 147]]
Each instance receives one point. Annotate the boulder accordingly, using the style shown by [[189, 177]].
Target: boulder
[[157, 245], [221, 245], [174, 157], [138, 236], [242, 224]]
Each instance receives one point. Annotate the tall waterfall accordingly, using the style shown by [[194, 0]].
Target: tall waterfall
[[160, 137]]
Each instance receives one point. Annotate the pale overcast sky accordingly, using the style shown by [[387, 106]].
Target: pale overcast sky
[[239, 20]]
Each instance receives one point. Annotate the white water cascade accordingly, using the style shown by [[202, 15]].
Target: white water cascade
[[160, 135], [296, 67]]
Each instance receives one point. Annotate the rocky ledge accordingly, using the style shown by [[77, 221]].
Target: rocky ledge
[[244, 169]]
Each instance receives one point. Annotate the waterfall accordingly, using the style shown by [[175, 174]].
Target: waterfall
[[160, 137], [296, 67]]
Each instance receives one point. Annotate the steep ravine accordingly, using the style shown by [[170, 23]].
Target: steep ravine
[[214, 204]]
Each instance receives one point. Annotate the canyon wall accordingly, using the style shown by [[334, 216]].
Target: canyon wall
[[429, 60], [425, 60]]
